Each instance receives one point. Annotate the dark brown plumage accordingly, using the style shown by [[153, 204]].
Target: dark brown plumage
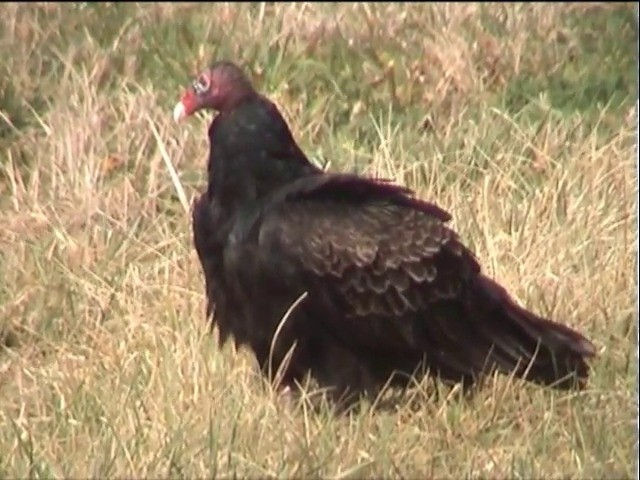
[[390, 289]]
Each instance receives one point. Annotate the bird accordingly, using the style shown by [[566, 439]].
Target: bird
[[354, 281]]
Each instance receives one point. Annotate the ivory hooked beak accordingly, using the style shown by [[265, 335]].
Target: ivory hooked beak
[[179, 112]]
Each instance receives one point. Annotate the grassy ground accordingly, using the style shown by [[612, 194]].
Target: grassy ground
[[519, 119]]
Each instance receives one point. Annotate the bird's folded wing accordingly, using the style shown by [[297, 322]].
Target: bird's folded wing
[[381, 263]]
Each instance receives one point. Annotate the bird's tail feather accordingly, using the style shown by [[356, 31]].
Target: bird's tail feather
[[532, 347]]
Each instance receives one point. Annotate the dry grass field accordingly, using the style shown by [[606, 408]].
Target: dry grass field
[[519, 119]]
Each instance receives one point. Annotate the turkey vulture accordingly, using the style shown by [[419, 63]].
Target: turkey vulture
[[355, 280]]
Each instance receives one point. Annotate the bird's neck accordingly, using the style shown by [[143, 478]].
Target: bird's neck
[[251, 156], [241, 183]]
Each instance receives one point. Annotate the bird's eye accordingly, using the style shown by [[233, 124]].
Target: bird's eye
[[201, 84]]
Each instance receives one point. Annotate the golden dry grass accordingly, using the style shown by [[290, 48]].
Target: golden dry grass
[[519, 119]]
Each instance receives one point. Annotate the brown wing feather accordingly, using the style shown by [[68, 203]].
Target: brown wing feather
[[383, 262]]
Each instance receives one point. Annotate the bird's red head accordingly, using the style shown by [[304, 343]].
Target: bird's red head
[[216, 88]]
